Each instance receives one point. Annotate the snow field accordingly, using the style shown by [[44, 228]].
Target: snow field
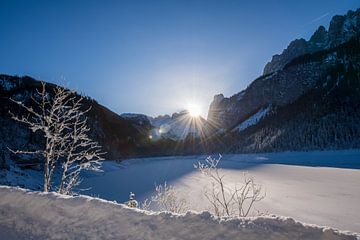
[[34, 215]]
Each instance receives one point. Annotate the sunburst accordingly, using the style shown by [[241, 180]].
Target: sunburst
[[194, 110]]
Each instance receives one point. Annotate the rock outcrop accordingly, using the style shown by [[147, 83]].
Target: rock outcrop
[[341, 30]]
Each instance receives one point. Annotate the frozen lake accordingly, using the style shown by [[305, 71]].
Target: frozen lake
[[314, 187]]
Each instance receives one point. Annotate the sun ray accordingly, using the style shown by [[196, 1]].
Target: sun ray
[[194, 110]]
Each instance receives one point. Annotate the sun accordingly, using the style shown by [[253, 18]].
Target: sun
[[194, 110]]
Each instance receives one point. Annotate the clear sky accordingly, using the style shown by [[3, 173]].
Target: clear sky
[[154, 57]]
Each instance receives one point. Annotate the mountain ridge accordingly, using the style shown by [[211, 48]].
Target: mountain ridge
[[341, 29], [335, 64]]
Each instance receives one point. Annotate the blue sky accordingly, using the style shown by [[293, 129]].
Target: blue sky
[[154, 57]]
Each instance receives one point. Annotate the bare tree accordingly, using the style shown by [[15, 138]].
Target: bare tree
[[80, 151], [63, 125], [167, 199], [225, 201]]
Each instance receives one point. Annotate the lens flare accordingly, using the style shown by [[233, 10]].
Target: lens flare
[[194, 110]]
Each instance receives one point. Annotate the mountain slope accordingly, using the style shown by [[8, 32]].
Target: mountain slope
[[312, 99], [121, 137], [118, 136]]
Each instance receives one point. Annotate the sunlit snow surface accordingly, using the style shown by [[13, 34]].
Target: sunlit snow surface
[[35, 215], [315, 187]]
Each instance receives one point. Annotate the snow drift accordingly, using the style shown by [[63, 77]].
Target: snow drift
[[33, 215]]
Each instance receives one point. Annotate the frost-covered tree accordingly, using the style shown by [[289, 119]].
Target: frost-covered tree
[[226, 201], [80, 151], [62, 122]]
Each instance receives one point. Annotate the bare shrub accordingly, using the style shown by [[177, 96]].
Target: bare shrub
[[167, 198], [247, 195], [145, 205], [226, 201]]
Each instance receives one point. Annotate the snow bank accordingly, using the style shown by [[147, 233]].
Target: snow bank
[[34, 215]]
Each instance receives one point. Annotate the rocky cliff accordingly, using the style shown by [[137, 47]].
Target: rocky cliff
[[341, 30], [321, 75]]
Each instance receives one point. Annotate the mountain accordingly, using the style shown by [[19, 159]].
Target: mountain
[[341, 30], [307, 98], [120, 137], [180, 126], [140, 121], [177, 127]]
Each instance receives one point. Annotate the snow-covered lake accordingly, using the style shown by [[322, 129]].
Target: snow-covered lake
[[314, 187]]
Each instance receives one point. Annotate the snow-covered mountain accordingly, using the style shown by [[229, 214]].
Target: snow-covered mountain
[[140, 121], [177, 127], [311, 93], [180, 125]]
